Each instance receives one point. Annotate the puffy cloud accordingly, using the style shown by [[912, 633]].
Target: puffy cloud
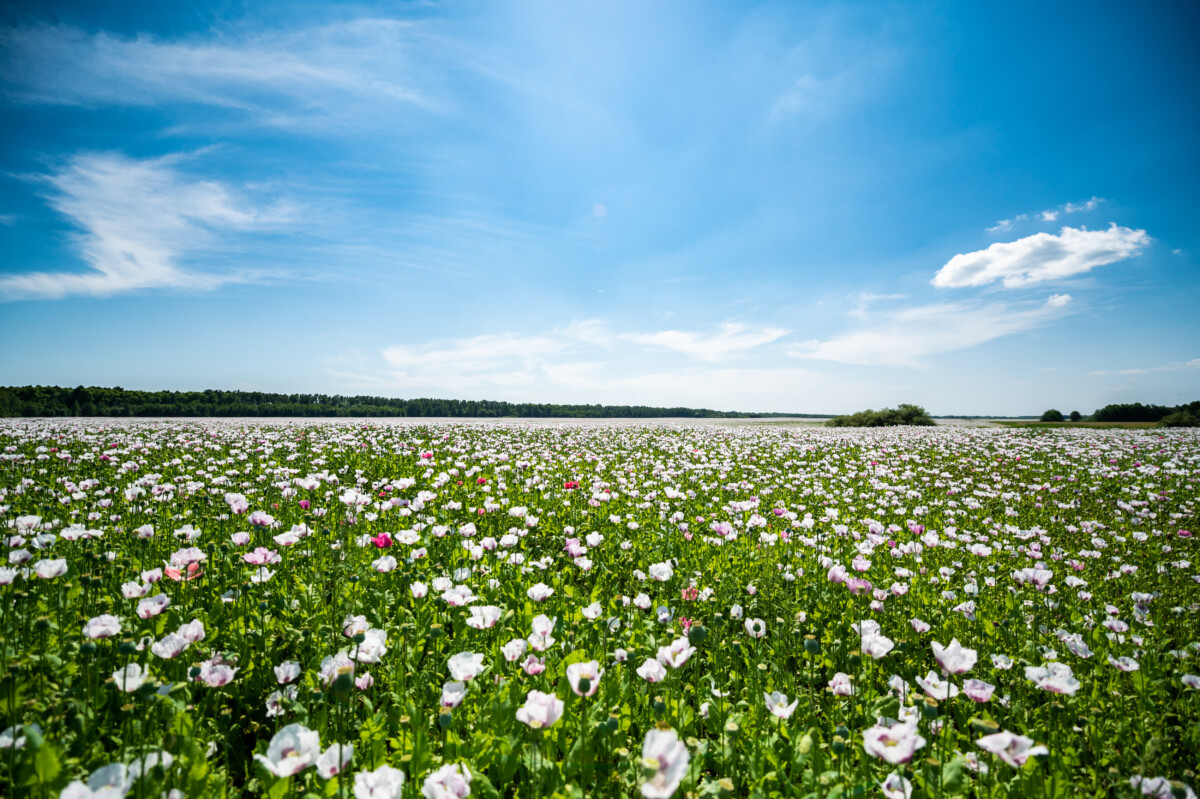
[[1041, 257]]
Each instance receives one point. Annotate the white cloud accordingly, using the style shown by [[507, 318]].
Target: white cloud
[[1177, 366], [907, 337], [139, 221], [1041, 257], [1090, 205], [864, 300], [278, 78], [498, 360], [732, 338], [1049, 215]]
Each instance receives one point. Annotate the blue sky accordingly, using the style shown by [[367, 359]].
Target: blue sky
[[808, 207]]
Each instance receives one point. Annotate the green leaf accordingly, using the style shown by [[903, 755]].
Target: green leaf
[[280, 788], [45, 763], [954, 778], [484, 786]]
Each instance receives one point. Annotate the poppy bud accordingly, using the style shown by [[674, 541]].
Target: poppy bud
[[343, 682]]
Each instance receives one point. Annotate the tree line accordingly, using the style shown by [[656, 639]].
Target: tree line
[[1187, 415], [94, 401]]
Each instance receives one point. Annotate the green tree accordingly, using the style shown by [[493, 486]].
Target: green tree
[[1075, 416], [1052, 415], [905, 414]]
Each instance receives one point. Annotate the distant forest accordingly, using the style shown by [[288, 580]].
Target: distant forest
[[81, 401], [1137, 412]]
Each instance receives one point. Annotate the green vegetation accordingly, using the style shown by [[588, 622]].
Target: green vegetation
[[1132, 415], [1021, 425], [905, 414], [81, 401], [1137, 412], [1181, 418]]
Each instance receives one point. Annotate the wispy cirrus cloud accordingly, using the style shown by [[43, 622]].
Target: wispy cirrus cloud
[[864, 300], [1041, 257], [498, 359], [908, 336], [142, 225], [289, 78], [1177, 366], [731, 338]]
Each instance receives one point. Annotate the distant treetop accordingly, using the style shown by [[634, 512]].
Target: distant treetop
[[81, 401]]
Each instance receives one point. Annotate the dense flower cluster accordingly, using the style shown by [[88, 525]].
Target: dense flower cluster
[[219, 608]]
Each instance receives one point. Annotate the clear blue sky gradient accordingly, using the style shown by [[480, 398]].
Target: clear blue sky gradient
[[984, 208]]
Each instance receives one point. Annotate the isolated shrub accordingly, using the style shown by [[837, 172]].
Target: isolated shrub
[[1052, 415], [904, 414], [1075, 416]]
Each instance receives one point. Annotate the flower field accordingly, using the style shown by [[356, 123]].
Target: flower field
[[536, 610]]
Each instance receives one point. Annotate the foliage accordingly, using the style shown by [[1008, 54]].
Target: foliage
[[802, 598], [1052, 415], [905, 414], [1130, 412], [1182, 418], [81, 401], [1075, 416]]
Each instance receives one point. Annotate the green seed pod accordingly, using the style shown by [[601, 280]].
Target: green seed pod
[[343, 683], [445, 720], [697, 634], [839, 744], [984, 726], [811, 645]]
